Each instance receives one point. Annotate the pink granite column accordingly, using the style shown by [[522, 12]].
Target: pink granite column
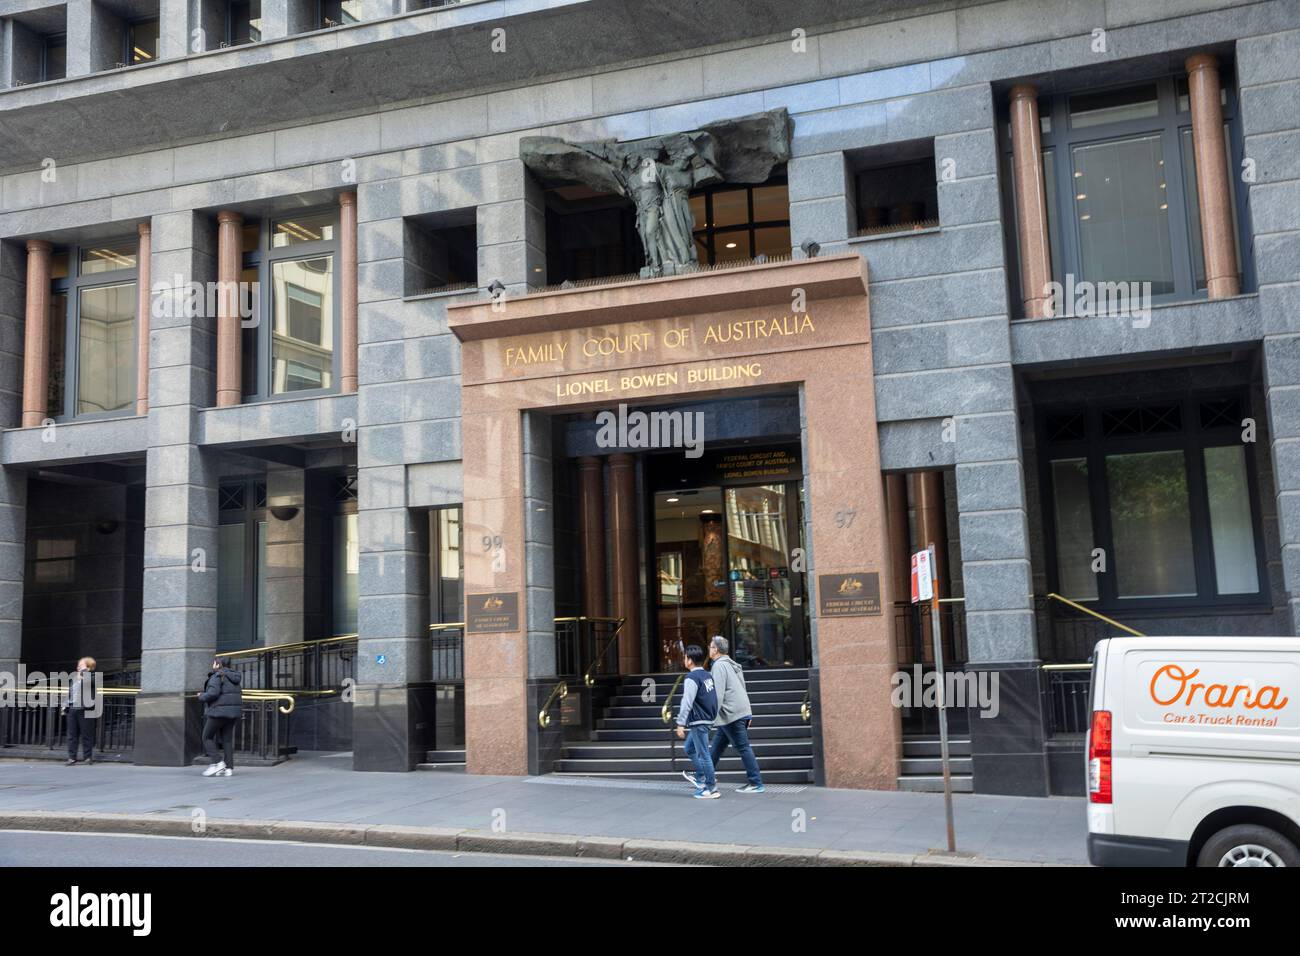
[[229, 386], [348, 300], [36, 336], [1213, 184], [144, 300], [1031, 202]]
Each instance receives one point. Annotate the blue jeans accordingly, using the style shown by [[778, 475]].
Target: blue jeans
[[737, 734], [696, 746]]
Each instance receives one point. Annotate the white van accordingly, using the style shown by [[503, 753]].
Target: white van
[[1194, 752]]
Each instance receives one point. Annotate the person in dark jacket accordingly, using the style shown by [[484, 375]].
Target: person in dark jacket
[[223, 702], [698, 711], [82, 712]]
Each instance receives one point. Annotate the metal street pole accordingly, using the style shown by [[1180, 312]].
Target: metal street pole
[[943, 713]]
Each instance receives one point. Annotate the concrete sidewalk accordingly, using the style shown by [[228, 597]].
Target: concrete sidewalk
[[491, 812]]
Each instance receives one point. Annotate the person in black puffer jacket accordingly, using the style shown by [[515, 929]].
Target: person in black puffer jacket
[[223, 703]]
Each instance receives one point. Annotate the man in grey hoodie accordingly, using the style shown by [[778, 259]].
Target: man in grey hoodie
[[734, 713]]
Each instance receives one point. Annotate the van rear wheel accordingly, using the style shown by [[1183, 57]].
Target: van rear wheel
[[1248, 845]]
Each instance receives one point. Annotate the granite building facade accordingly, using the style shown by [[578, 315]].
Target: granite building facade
[[294, 345]]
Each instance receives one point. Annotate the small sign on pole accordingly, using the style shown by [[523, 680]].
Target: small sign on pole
[[925, 587]]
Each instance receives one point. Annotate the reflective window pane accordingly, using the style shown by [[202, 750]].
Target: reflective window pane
[[305, 228], [55, 66], [773, 241], [230, 587], [1113, 106], [245, 22], [1151, 524], [1231, 528], [142, 41], [347, 560], [58, 354], [108, 256], [1123, 212], [106, 349], [771, 203], [302, 346], [248, 337], [1074, 540], [730, 207], [731, 245]]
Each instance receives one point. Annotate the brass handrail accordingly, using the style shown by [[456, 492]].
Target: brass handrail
[[667, 713], [1066, 667], [252, 651], [589, 678], [251, 694], [453, 626], [805, 709], [543, 717], [1100, 617]]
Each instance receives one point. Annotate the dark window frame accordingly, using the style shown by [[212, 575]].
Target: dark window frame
[[72, 286], [1170, 122], [709, 232], [1192, 440], [128, 40], [263, 259], [438, 612], [48, 42], [230, 24], [320, 17], [252, 514]]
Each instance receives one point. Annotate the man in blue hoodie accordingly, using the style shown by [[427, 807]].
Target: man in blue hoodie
[[694, 718]]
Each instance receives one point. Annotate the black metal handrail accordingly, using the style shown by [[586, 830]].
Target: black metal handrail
[[913, 632], [1065, 699], [447, 643], [324, 664], [1068, 630]]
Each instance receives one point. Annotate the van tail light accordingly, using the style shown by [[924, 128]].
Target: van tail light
[[1099, 778]]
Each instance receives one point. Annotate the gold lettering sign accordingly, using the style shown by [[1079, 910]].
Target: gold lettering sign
[[644, 344]]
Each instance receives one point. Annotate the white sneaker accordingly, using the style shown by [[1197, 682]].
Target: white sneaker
[[215, 768], [225, 772]]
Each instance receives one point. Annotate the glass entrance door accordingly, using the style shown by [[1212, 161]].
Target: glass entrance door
[[723, 566], [762, 592]]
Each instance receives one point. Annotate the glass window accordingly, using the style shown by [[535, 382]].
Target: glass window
[[1053, 213], [1074, 541], [1151, 523], [730, 208], [248, 344], [313, 227], [230, 586], [1231, 526], [58, 354], [108, 256], [1122, 208], [245, 22], [142, 41], [449, 578], [302, 346], [339, 12], [55, 63], [106, 349], [1113, 106], [347, 559]]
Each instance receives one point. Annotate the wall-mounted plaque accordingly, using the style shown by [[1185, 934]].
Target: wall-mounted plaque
[[491, 613], [849, 595]]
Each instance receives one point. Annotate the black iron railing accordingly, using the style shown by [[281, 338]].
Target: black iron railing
[[309, 665], [447, 643], [34, 720], [913, 634], [1065, 703]]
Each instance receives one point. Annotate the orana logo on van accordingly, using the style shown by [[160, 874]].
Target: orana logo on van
[[1184, 689]]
